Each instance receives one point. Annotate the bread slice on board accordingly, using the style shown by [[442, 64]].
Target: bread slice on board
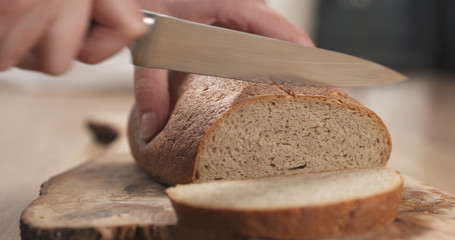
[[315, 205], [226, 129]]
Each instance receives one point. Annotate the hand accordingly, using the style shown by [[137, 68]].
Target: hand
[[46, 35], [253, 16]]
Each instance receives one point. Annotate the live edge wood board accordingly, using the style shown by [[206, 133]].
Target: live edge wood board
[[110, 197]]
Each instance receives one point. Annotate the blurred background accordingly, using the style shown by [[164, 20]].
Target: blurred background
[[402, 34], [43, 119]]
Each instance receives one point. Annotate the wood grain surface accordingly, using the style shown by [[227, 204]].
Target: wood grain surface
[[110, 197]]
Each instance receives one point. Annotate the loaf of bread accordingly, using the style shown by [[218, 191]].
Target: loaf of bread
[[314, 205], [221, 129]]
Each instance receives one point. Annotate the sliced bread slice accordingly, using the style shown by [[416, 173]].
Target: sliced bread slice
[[226, 129], [315, 205]]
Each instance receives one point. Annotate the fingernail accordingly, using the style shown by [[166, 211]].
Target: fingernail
[[149, 126], [340, 90]]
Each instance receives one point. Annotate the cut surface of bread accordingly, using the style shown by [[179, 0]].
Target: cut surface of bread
[[227, 129], [314, 205], [271, 136]]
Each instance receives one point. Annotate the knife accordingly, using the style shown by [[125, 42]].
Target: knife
[[179, 45]]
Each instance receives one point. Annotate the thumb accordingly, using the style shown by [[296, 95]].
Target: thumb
[[152, 100]]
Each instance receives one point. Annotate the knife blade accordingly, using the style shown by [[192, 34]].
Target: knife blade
[[179, 45]]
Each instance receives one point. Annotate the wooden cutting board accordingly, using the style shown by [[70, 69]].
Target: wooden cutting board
[[111, 198]]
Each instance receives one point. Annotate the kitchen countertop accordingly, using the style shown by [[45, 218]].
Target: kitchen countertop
[[420, 115], [43, 129]]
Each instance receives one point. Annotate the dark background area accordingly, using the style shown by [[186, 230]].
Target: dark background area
[[402, 34]]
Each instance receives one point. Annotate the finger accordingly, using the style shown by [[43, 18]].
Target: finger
[[257, 18], [10, 8], [30, 61], [101, 44], [152, 100], [59, 45], [118, 22], [22, 35], [340, 90], [201, 11], [121, 16], [10, 11]]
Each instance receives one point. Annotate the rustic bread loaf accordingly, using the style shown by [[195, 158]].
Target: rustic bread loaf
[[226, 129], [314, 205]]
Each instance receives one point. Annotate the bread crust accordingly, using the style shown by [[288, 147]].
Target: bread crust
[[172, 156], [324, 221]]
